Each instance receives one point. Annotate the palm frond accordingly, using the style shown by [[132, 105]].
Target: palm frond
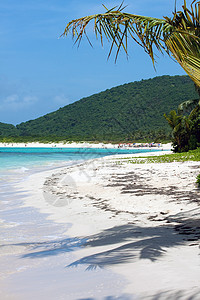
[[173, 119], [185, 48], [187, 106], [178, 36], [119, 27], [195, 112], [184, 41]]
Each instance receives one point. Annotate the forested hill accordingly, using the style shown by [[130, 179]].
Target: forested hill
[[131, 110], [8, 130]]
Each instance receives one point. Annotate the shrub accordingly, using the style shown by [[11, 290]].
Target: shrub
[[198, 181]]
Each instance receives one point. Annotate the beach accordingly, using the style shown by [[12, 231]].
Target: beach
[[87, 145], [114, 230]]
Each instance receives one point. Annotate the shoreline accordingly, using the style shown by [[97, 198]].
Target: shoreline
[[36, 250], [87, 145], [133, 217]]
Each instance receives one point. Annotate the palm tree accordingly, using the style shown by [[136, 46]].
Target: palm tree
[[185, 125], [180, 131], [178, 36], [173, 119]]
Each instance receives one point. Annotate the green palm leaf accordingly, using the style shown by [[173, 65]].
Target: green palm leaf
[[178, 36], [173, 119], [187, 106], [119, 27]]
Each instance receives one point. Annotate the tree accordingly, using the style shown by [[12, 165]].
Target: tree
[[178, 36], [185, 128]]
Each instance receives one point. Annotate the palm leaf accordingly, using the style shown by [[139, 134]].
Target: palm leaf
[[119, 27], [184, 41], [173, 119], [178, 36], [186, 50], [187, 106]]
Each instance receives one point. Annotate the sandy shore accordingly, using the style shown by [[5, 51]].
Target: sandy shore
[[81, 145], [140, 221]]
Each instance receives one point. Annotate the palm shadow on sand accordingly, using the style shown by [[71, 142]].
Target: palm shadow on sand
[[164, 295], [129, 242], [125, 243]]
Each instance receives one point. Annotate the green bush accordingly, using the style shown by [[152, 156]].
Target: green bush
[[198, 181]]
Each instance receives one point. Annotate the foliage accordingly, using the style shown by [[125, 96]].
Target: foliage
[[131, 111], [30, 139], [198, 180], [192, 155], [186, 128], [7, 130], [178, 36]]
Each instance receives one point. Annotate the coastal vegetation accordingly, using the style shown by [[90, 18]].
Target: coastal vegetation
[[198, 181], [130, 112], [8, 130], [191, 155], [185, 126]]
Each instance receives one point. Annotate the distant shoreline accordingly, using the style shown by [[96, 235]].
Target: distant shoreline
[[89, 145]]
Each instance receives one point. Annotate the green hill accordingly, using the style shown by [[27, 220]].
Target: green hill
[[8, 130], [131, 110]]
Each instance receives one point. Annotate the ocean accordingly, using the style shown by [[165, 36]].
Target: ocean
[[24, 160], [18, 163]]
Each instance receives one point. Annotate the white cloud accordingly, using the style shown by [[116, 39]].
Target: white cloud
[[11, 99], [15, 102]]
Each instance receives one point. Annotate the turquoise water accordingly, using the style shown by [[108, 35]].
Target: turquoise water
[[18, 163], [26, 158]]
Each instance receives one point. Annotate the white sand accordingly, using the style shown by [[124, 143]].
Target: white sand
[[128, 213], [75, 145]]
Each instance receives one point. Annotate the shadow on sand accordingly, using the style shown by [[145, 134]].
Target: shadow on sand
[[130, 242], [125, 243], [166, 295]]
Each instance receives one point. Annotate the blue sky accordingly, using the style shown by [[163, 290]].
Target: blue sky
[[40, 72]]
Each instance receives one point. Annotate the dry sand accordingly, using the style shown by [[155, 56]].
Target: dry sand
[[140, 221]]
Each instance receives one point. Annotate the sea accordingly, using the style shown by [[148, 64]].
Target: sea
[[35, 251], [16, 163]]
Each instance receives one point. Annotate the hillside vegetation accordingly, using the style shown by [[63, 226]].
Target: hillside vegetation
[[130, 111], [8, 130]]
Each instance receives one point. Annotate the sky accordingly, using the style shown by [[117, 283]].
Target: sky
[[41, 71]]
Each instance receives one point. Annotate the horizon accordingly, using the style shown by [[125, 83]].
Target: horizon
[[41, 72]]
